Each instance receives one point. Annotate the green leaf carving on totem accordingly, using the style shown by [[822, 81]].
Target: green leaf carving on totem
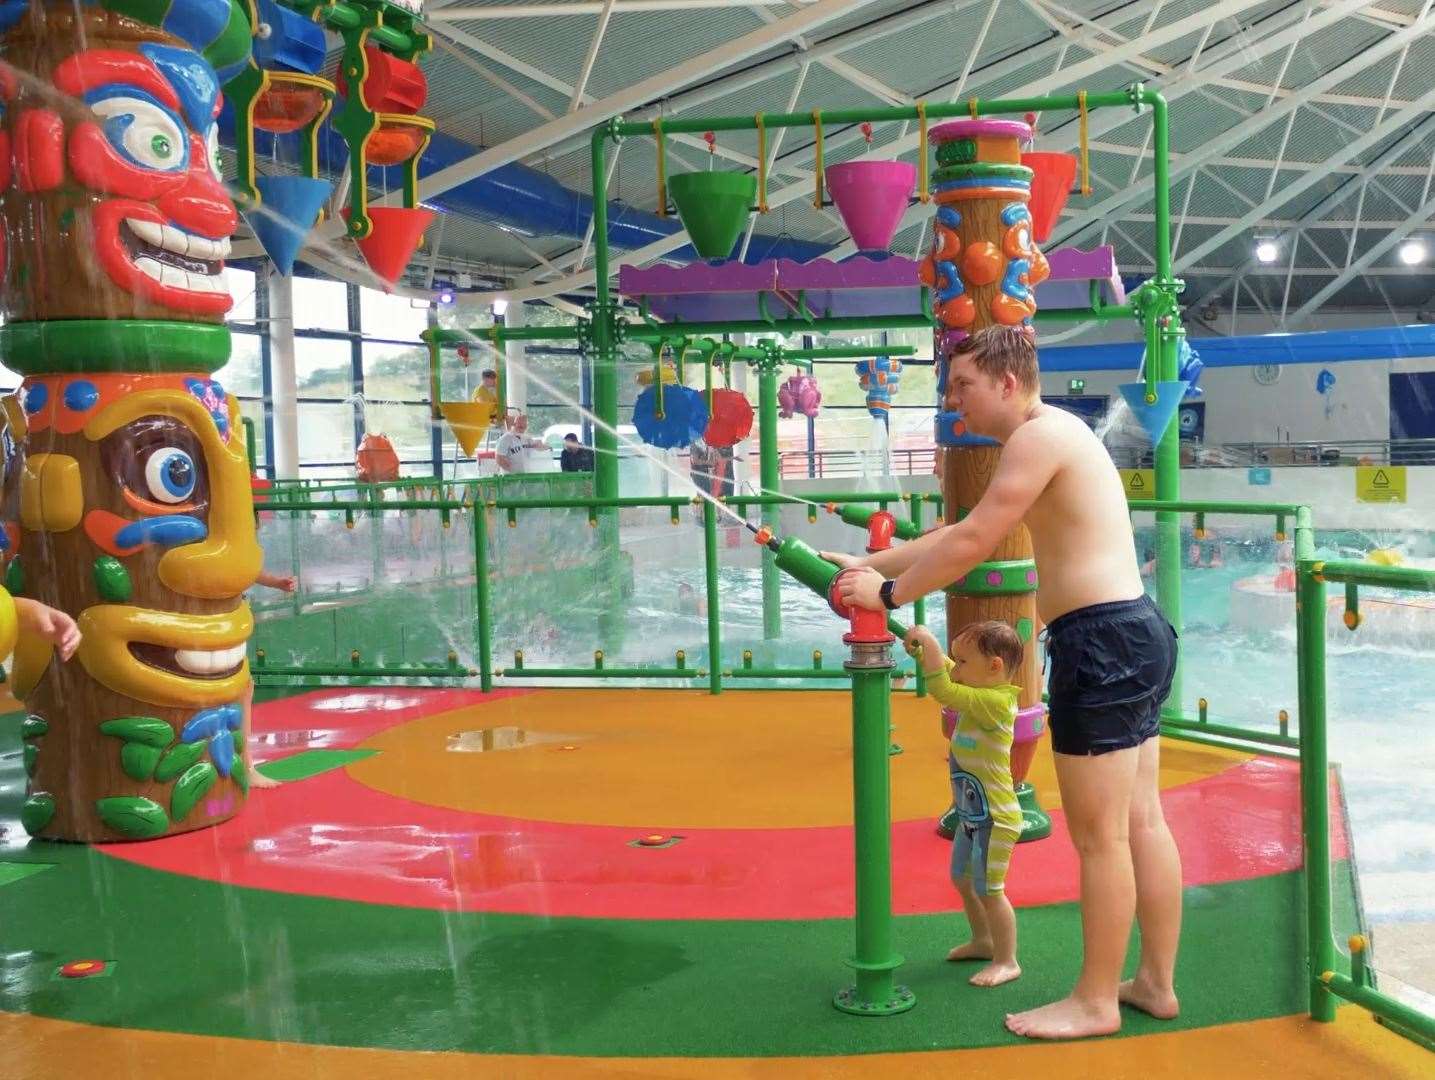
[[133, 816], [190, 788], [39, 808], [31, 753], [32, 727], [141, 729], [176, 759], [138, 760]]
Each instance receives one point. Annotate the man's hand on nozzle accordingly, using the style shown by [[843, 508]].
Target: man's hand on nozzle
[[844, 560], [862, 588]]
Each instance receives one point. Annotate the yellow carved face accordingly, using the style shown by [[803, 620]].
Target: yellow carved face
[[139, 485]]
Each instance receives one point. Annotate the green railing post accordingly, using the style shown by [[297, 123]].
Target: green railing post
[[875, 993], [603, 344], [710, 570], [919, 606], [1314, 768], [771, 479], [482, 631]]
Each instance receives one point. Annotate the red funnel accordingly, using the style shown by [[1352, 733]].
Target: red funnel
[[395, 236], [1050, 187]]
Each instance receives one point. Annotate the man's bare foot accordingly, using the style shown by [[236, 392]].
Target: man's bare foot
[[972, 950], [995, 973], [258, 779], [1066, 1019], [1140, 994]]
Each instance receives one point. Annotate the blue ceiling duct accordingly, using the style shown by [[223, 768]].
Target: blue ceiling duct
[[522, 199]]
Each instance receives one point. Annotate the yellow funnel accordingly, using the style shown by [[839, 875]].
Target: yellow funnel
[[469, 420]]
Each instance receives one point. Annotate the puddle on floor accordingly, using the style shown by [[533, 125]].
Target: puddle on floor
[[484, 740]]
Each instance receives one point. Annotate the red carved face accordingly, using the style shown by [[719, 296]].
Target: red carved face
[[117, 208]]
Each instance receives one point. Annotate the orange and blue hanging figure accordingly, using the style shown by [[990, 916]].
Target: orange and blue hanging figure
[[879, 376], [127, 501]]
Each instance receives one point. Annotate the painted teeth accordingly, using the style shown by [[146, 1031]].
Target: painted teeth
[[181, 279], [180, 243], [209, 661]]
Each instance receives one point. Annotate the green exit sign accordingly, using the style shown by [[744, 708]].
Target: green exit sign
[[1076, 386]]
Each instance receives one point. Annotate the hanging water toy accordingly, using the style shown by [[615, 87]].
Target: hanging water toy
[[131, 499], [380, 124], [1189, 368], [871, 196], [713, 205], [1052, 176], [1324, 385], [879, 376], [376, 461], [283, 94], [731, 419], [799, 394], [676, 420], [469, 420]]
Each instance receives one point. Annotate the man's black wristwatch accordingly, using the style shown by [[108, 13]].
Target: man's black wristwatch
[[885, 592]]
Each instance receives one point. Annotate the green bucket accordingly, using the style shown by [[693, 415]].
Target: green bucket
[[714, 207]]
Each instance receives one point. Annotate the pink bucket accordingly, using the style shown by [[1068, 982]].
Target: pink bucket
[[870, 196]]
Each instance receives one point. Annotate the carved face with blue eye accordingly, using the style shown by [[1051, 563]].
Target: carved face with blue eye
[[170, 475], [158, 466], [140, 129]]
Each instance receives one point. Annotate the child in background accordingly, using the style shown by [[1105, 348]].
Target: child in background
[[975, 683]]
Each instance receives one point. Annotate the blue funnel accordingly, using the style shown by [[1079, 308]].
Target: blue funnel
[[1155, 417], [288, 208]]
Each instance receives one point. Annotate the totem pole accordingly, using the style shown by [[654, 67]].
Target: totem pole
[[126, 489], [983, 266]]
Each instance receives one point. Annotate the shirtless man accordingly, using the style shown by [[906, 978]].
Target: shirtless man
[[1112, 661]]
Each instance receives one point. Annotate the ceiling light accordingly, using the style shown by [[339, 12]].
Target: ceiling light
[[1412, 252], [1267, 252], [500, 307]]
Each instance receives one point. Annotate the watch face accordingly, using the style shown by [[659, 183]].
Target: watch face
[[1266, 374]]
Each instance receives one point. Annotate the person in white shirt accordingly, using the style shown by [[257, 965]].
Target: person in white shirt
[[513, 450]]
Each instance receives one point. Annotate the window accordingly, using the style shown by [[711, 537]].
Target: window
[[241, 285], [242, 376], [320, 305], [326, 433], [323, 368], [393, 318]]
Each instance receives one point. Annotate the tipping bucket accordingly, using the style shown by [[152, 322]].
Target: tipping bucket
[[1155, 416], [288, 207], [396, 234], [470, 420], [1051, 182], [871, 196], [714, 207]]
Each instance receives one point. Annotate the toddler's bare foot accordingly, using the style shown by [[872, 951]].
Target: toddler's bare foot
[[994, 974], [258, 779], [1143, 995], [972, 950], [1068, 1018]]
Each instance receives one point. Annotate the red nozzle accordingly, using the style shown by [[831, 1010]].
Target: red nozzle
[[831, 507], [881, 527], [867, 626], [763, 535]]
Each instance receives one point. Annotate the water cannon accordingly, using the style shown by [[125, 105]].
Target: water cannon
[[881, 525], [801, 561]]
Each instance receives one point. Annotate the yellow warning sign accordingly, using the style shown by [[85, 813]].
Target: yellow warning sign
[[1380, 483], [1139, 483]]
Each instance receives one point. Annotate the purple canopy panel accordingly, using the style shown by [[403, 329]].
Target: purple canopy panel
[[710, 292]]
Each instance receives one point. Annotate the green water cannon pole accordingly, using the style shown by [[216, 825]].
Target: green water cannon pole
[[870, 665]]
